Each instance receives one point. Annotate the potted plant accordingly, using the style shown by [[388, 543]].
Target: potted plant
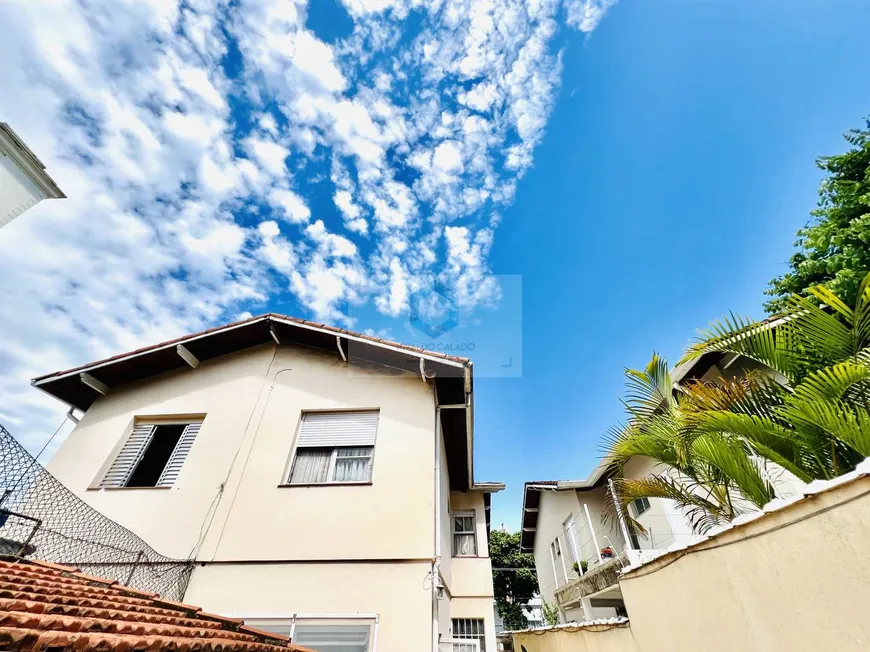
[[583, 564]]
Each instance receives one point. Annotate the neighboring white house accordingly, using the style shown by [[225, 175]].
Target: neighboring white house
[[23, 180], [578, 553], [322, 479]]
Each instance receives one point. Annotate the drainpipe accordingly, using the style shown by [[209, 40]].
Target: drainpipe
[[437, 563]]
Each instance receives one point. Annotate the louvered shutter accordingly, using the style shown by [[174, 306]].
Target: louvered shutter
[[338, 429], [176, 460], [131, 453]]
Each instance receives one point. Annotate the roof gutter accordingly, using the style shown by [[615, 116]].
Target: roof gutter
[[269, 318]]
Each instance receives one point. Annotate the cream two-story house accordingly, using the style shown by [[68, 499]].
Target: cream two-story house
[[322, 480]]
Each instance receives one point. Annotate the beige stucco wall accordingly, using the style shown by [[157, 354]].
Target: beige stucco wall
[[793, 581], [601, 639], [397, 592], [252, 402], [254, 419], [225, 390]]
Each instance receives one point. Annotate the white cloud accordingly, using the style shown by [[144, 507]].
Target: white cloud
[[291, 204], [447, 158], [269, 154], [586, 14], [182, 209]]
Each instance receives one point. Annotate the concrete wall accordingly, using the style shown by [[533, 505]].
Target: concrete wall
[[594, 639], [795, 580]]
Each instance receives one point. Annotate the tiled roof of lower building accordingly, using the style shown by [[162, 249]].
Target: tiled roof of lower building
[[50, 607]]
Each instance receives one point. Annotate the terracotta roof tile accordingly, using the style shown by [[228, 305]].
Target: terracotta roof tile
[[50, 607]]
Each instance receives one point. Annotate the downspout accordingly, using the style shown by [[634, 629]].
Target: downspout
[[437, 563]]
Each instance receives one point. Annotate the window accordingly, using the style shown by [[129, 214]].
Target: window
[[152, 456], [471, 629], [557, 547], [640, 506], [335, 447], [464, 539], [322, 634], [333, 637]]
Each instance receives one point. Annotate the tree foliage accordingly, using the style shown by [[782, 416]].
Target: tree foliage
[[834, 247], [514, 587]]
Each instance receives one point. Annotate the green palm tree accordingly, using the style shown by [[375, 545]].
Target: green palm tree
[[813, 415], [808, 411], [712, 477]]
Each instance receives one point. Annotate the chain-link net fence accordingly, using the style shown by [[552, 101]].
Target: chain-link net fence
[[42, 519]]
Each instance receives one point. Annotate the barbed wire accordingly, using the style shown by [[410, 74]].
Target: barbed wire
[[40, 518]]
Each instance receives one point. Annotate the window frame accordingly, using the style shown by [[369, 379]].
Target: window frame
[[638, 512], [295, 448], [463, 513], [185, 419], [292, 621], [480, 638], [330, 473]]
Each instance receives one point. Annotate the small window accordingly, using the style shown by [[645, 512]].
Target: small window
[[640, 505], [335, 447], [464, 538], [470, 629], [333, 637], [557, 547], [152, 456]]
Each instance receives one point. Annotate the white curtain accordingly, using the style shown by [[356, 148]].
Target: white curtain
[[311, 465], [463, 536], [353, 464]]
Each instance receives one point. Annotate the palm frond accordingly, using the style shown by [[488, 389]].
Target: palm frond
[[647, 390], [819, 336], [730, 458], [746, 337], [862, 315], [834, 382], [702, 512], [766, 437], [849, 424]]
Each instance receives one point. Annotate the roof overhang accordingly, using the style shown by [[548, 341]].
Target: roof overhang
[[532, 499], [14, 147], [452, 376]]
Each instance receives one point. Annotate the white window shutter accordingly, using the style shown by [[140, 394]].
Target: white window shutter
[[337, 429], [131, 453], [176, 460]]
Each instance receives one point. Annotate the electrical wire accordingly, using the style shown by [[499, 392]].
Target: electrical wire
[[215, 503], [36, 457], [251, 447]]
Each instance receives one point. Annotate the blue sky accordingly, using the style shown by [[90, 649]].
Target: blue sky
[[586, 180]]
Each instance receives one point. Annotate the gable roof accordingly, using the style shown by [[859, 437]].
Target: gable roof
[[532, 500], [452, 375], [51, 607]]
